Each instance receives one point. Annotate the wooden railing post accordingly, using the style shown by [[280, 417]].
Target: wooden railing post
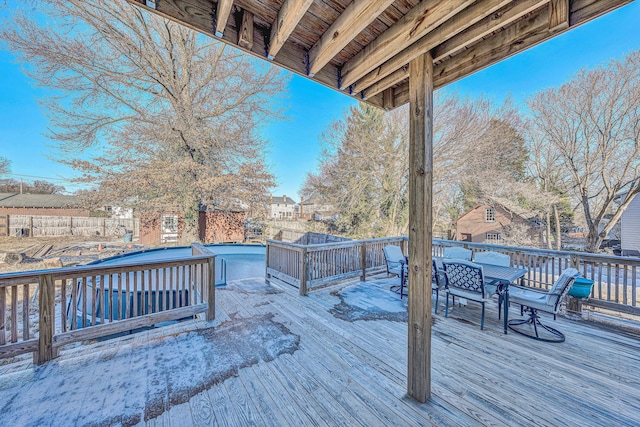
[[363, 261], [211, 287], [47, 312], [266, 265], [303, 272]]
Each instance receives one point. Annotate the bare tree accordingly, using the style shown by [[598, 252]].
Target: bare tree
[[593, 122], [4, 165], [155, 114], [364, 169]]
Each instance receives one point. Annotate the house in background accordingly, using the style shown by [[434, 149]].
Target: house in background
[[630, 229], [316, 209], [216, 226], [283, 208], [40, 205], [488, 223]]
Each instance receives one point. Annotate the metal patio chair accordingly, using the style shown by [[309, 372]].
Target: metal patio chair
[[458, 253], [533, 301], [396, 265], [493, 258], [464, 279]]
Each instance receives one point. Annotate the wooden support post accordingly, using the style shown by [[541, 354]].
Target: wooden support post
[[211, 287], [420, 225], [363, 261], [303, 272], [47, 313], [31, 226]]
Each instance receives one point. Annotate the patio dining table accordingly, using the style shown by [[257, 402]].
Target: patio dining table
[[502, 277]]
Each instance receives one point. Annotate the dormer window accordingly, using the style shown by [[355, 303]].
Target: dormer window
[[490, 215]]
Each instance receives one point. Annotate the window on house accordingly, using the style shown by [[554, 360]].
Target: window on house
[[170, 223], [492, 238], [490, 215]]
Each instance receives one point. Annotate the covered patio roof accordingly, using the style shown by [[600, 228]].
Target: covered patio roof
[[389, 53], [363, 47]]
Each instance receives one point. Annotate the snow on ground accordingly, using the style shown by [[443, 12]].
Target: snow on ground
[[138, 381], [370, 301]]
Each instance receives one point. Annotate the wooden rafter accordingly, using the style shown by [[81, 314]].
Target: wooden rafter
[[355, 18], [419, 21], [288, 17], [465, 28], [513, 39], [453, 26], [222, 15], [487, 26]]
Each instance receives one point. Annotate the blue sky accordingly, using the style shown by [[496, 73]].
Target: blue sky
[[310, 107]]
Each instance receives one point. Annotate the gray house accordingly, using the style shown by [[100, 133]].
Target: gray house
[[630, 229]]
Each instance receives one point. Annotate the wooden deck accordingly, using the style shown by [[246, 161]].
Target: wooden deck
[[353, 372]]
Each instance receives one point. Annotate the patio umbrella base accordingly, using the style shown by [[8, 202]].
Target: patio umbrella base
[[533, 328]]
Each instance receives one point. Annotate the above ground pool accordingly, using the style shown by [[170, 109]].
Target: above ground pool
[[123, 295], [233, 262]]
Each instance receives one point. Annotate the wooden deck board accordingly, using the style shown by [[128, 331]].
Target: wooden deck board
[[354, 373]]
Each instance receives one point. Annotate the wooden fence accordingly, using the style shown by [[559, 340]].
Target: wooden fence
[[29, 225], [615, 278], [89, 302], [313, 266]]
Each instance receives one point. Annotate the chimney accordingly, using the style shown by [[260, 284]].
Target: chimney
[[284, 198]]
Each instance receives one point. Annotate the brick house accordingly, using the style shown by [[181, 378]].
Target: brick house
[[487, 223], [216, 226]]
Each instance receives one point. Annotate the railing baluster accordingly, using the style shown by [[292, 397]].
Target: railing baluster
[[63, 303], [14, 313], [3, 315], [25, 311], [94, 296]]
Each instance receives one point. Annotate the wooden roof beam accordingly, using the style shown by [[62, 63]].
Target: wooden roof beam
[[455, 25], [222, 15], [353, 20], [516, 38], [288, 17], [420, 20], [558, 15], [486, 26]]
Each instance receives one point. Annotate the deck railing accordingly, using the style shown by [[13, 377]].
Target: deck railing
[[615, 278], [313, 266], [88, 302]]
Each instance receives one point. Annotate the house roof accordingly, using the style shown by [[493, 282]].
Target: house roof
[[281, 200], [14, 200], [362, 48]]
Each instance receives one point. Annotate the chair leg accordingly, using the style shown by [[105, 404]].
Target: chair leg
[[446, 307], [499, 306], [482, 321], [534, 321], [437, 294]]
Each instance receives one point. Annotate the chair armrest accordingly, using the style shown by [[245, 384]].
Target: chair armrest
[[529, 289]]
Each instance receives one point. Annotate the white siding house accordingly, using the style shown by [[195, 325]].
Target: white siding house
[[630, 229], [283, 208]]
